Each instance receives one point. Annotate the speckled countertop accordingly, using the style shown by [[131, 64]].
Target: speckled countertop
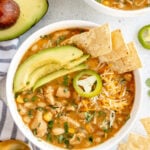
[[78, 10]]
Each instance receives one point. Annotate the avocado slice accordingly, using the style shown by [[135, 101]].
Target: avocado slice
[[57, 55], [57, 74], [49, 68], [40, 72], [31, 11], [77, 61]]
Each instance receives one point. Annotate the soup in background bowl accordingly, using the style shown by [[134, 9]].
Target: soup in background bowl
[[121, 8], [62, 113]]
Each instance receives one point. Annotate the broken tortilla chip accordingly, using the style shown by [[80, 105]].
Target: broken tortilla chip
[[96, 41], [128, 63], [135, 142], [119, 48], [138, 142], [146, 124]]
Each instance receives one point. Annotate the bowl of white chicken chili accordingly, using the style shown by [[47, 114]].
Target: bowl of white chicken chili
[[65, 90], [121, 8]]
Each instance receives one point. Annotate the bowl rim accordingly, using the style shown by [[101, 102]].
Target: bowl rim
[[116, 12], [10, 96]]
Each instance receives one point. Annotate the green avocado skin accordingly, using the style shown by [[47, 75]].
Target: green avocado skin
[[31, 12]]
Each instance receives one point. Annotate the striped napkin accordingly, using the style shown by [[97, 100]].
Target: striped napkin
[[8, 129]]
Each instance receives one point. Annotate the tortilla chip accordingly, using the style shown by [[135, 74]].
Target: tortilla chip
[[119, 48], [97, 41], [146, 124], [128, 63], [122, 146], [138, 142]]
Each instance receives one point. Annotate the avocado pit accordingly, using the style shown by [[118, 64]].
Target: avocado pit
[[9, 13]]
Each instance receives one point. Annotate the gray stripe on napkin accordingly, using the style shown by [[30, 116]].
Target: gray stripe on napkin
[[3, 73], [8, 129], [3, 117], [5, 60], [14, 132], [8, 48]]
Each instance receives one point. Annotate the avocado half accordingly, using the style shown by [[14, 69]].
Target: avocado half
[[31, 11]]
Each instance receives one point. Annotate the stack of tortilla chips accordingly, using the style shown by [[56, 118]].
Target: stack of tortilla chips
[[109, 47]]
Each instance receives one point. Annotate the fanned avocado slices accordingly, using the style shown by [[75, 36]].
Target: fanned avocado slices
[[36, 66], [31, 11]]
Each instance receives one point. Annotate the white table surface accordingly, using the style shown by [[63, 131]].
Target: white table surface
[[78, 10]]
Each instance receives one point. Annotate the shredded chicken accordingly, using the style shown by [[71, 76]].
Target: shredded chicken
[[77, 138], [70, 120], [39, 124], [63, 92], [58, 131], [48, 93]]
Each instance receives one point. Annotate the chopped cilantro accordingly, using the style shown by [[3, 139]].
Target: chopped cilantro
[[48, 137], [45, 36], [34, 98], [60, 138], [34, 131], [60, 39], [101, 114], [66, 142], [25, 99], [50, 124], [66, 127], [30, 113], [65, 80], [106, 130], [39, 108], [88, 116]]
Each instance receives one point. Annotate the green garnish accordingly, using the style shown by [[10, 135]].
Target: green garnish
[[60, 138], [66, 80], [148, 82], [60, 39], [101, 114], [66, 142], [88, 116], [50, 124], [144, 36], [148, 93], [34, 98], [45, 37], [89, 91], [34, 131], [105, 130], [48, 137], [39, 108], [99, 1], [66, 127], [25, 100], [30, 113]]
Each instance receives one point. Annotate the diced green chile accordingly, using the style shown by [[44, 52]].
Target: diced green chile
[[97, 84]]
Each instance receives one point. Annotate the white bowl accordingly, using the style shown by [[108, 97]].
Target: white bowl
[[11, 100], [116, 12]]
